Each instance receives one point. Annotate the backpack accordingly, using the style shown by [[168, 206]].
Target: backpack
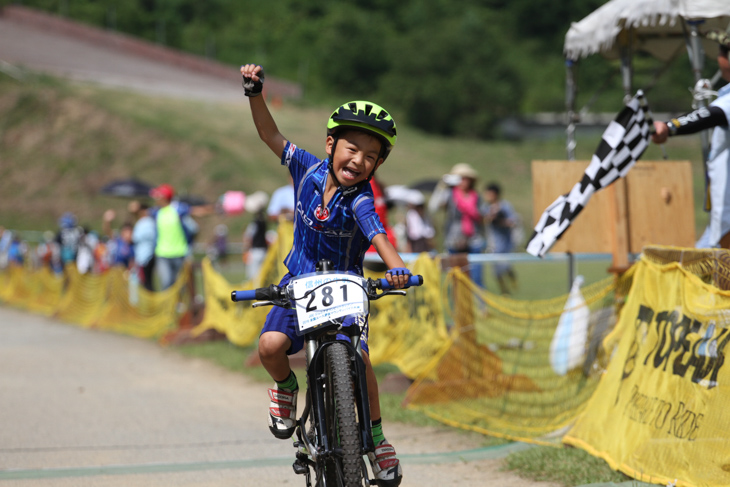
[[190, 227]]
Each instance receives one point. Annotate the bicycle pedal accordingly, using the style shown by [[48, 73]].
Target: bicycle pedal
[[299, 468]]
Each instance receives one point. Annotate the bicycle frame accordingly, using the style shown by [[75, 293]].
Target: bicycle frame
[[317, 342]]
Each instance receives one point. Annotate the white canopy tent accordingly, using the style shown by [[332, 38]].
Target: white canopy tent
[[660, 28]]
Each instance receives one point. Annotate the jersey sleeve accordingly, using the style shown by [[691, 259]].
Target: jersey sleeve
[[363, 207], [723, 102], [698, 120], [298, 161]]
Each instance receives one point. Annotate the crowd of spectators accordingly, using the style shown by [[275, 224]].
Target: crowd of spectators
[[476, 222], [149, 241], [152, 242]]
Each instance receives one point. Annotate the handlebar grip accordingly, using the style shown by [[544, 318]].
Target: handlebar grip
[[247, 295], [416, 280]]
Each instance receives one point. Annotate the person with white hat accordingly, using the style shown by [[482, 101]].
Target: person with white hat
[[464, 227], [419, 230]]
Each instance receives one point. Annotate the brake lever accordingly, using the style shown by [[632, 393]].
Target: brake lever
[[276, 302], [375, 297]]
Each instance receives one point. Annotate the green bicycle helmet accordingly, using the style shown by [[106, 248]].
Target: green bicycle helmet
[[368, 117]]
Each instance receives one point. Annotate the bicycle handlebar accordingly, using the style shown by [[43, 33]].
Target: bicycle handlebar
[[247, 295], [270, 293], [412, 281], [275, 293]]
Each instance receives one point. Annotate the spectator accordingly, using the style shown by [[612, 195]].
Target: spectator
[[49, 252], [6, 238], [120, 251], [17, 251], [254, 237], [282, 203], [143, 242], [174, 234], [502, 220], [381, 209], [464, 232], [86, 251], [419, 230], [218, 248], [102, 254], [68, 237]]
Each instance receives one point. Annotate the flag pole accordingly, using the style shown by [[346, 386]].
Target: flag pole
[[652, 130]]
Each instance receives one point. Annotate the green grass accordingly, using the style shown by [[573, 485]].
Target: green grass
[[82, 136], [567, 466], [544, 280]]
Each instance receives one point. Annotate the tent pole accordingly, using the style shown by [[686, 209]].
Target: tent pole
[[627, 69], [571, 90], [697, 58]]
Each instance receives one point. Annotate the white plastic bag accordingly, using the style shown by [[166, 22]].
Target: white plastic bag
[[568, 347]]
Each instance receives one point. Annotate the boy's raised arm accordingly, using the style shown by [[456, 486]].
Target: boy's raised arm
[[253, 81]]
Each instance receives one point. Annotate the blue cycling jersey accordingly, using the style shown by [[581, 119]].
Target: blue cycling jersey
[[341, 231]]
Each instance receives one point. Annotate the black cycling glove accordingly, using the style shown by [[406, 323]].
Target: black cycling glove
[[251, 87]]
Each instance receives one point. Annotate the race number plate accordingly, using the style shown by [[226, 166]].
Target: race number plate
[[328, 296]]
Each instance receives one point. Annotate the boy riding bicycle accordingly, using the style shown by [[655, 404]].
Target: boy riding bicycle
[[334, 219]]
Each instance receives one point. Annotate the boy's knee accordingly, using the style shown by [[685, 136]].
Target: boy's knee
[[272, 345]]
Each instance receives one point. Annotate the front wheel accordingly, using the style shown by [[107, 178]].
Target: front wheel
[[342, 428]]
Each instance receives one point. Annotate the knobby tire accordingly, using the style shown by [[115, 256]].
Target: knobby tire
[[342, 417]]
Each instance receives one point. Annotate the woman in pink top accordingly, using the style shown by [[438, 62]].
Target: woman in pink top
[[464, 218]]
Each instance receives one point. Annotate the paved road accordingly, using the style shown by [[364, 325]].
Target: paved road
[[85, 408]]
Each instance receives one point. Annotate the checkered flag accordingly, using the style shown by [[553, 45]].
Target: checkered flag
[[623, 142]]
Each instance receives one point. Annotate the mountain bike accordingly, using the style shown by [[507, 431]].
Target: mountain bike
[[333, 432]]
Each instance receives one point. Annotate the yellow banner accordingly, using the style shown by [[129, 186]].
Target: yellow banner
[[659, 413]]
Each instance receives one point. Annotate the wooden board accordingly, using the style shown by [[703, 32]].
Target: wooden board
[[638, 204], [661, 204], [589, 232]]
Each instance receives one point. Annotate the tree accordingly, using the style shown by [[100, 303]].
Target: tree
[[454, 75]]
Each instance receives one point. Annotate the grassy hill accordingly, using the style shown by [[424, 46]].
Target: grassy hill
[[60, 143]]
